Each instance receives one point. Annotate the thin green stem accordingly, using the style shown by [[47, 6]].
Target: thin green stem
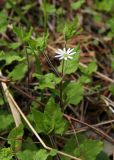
[[65, 44], [61, 86], [28, 65], [63, 69], [45, 17]]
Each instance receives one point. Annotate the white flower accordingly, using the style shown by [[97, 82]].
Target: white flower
[[65, 54]]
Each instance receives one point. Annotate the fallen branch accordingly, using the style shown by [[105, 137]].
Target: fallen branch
[[98, 131], [15, 112]]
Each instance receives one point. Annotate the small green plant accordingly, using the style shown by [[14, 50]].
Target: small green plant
[[6, 154], [50, 86]]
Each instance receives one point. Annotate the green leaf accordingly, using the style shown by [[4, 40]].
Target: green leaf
[[53, 152], [70, 29], [73, 93], [87, 149], [70, 66], [71, 144], [15, 138], [111, 88], [6, 120], [84, 79], [18, 72], [111, 25], [1, 101], [25, 155], [14, 45], [47, 81], [38, 118], [22, 34], [102, 156], [43, 154], [60, 11], [3, 21], [91, 68], [51, 120], [28, 6], [104, 6], [112, 62], [10, 57], [77, 5], [50, 9], [29, 144], [38, 44], [6, 154], [3, 42]]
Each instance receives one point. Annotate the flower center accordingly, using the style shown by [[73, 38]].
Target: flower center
[[65, 55]]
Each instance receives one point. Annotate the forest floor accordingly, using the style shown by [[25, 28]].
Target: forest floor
[[30, 34]]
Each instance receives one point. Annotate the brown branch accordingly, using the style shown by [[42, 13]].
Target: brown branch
[[98, 131]]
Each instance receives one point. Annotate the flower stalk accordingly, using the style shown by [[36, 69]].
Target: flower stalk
[[61, 86], [63, 55]]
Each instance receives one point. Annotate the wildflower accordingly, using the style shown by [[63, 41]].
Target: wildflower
[[65, 54]]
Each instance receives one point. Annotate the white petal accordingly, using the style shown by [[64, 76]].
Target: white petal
[[64, 53], [64, 49], [70, 50], [61, 58], [59, 52], [72, 53], [65, 58], [58, 56], [70, 57]]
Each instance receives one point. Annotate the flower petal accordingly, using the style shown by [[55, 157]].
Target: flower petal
[[61, 58], [58, 56], [64, 49], [72, 53], [59, 51], [70, 57], [70, 50], [64, 53], [65, 58]]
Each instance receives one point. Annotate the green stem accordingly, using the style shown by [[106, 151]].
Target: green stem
[[61, 86], [28, 65], [45, 17]]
